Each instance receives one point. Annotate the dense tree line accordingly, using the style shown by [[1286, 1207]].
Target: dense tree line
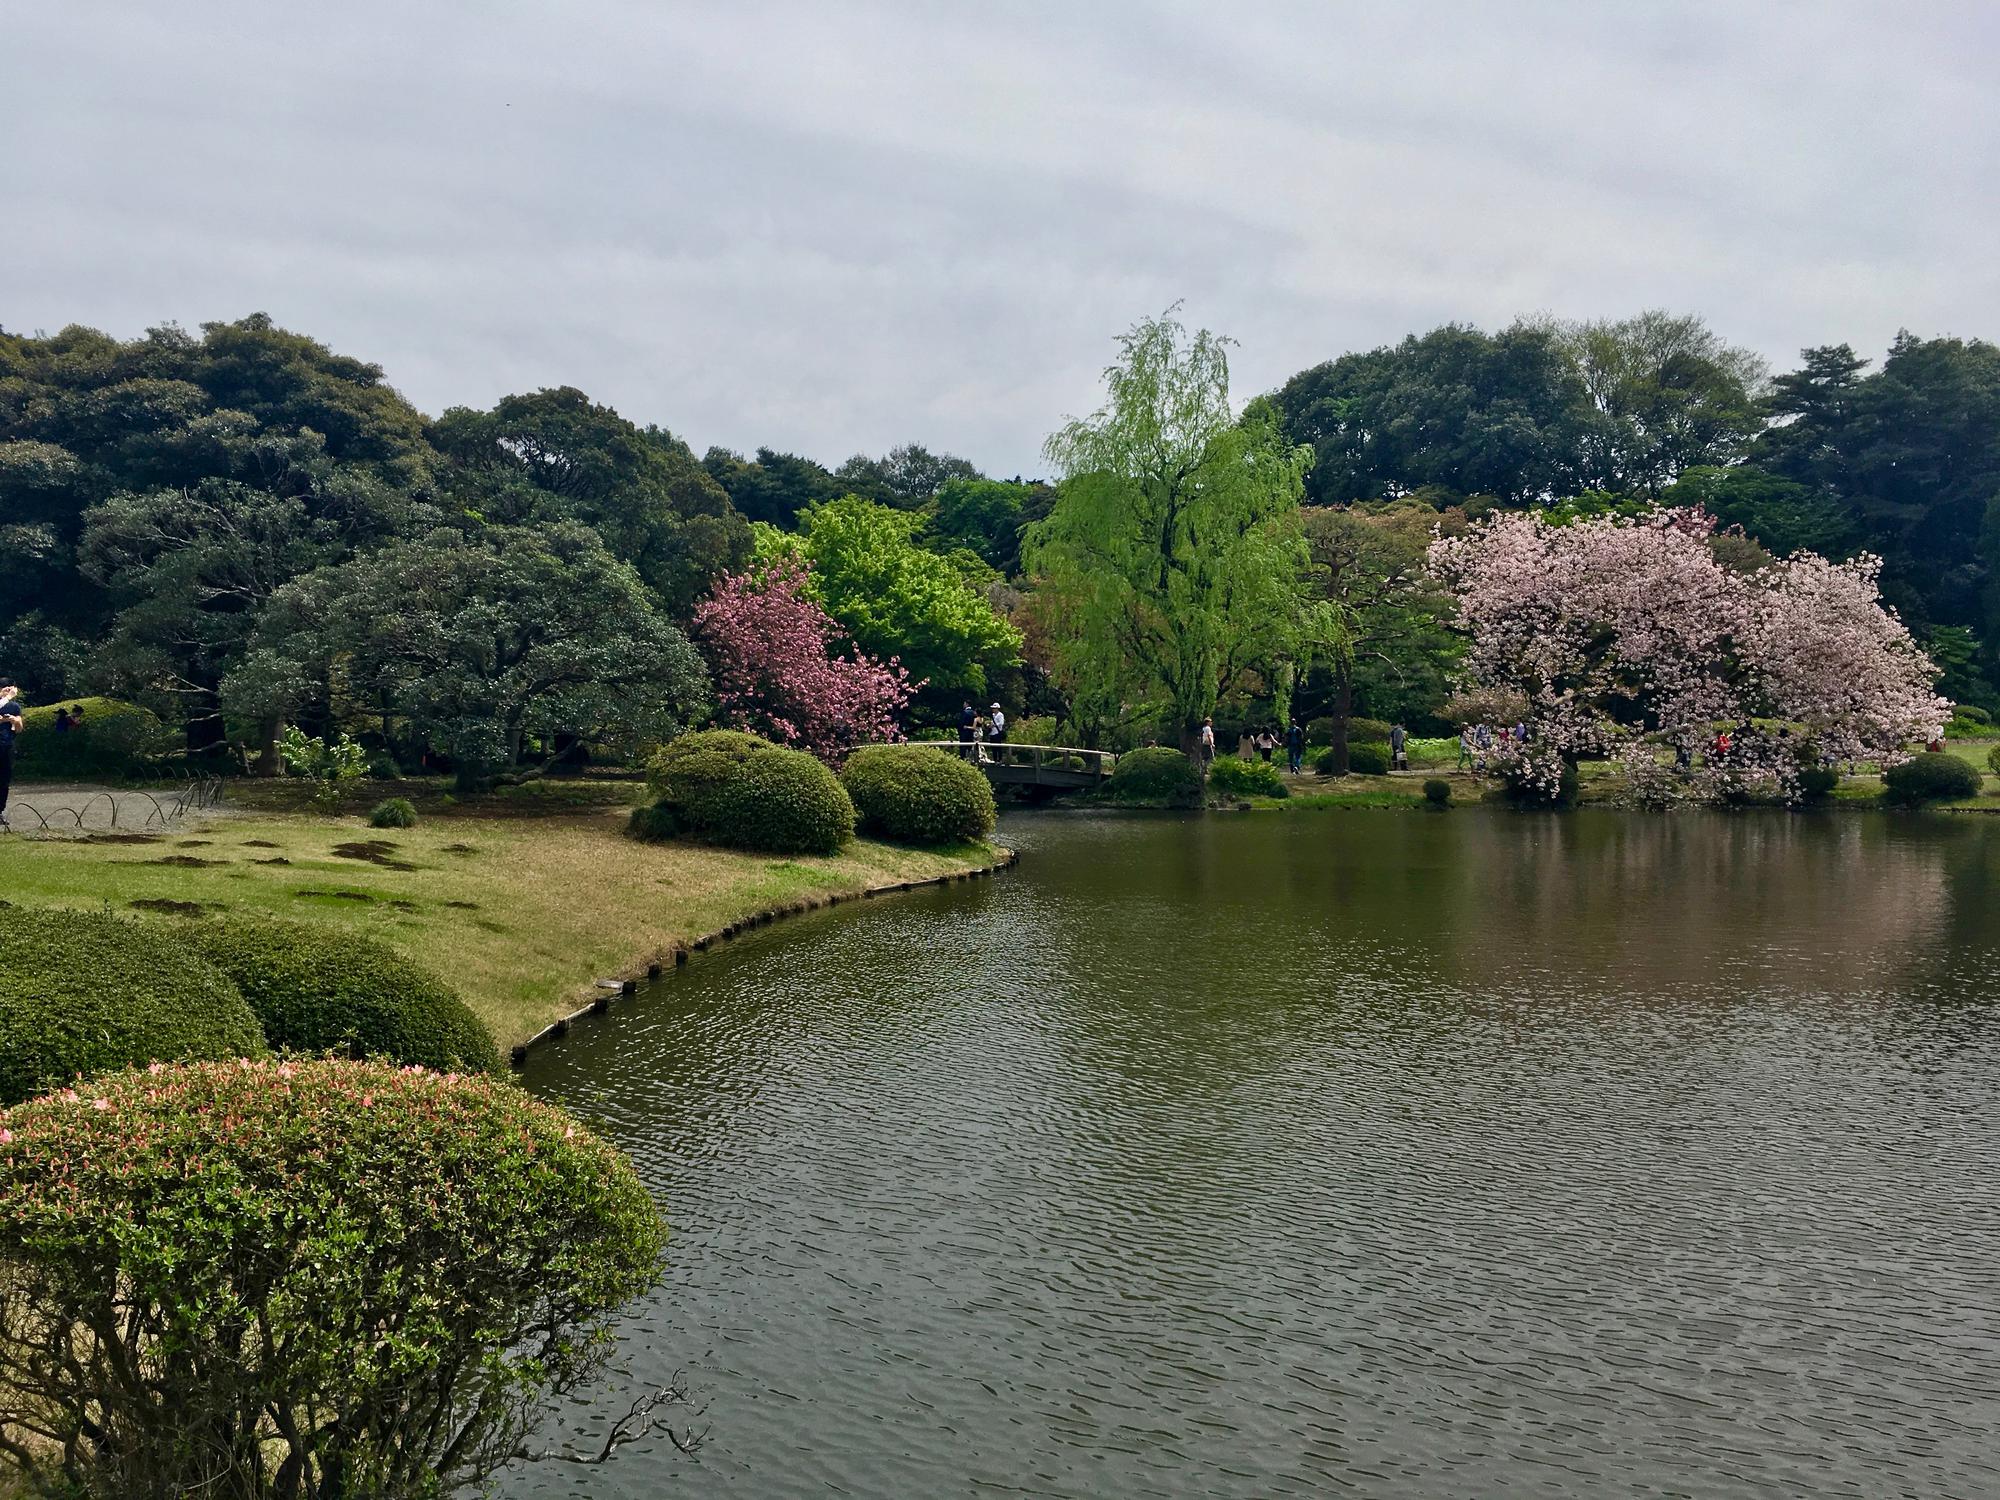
[[239, 528]]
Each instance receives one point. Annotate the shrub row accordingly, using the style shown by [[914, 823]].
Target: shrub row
[[1368, 759], [82, 993], [1233, 776]]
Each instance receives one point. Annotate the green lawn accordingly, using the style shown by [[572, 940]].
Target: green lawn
[[522, 914]]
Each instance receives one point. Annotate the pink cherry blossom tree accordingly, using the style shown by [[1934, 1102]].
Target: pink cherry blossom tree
[[1629, 640], [771, 650]]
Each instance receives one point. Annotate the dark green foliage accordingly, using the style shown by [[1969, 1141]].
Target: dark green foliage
[[1935, 776], [1236, 777], [1369, 759], [734, 789], [304, 1279], [397, 812], [316, 990], [1528, 794], [82, 993], [915, 795], [1816, 783], [117, 739], [1973, 713], [1155, 776], [654, 823], [1367, 732], [1437, 792], [1993, 760]]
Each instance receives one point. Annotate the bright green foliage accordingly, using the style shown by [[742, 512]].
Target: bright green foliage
[[302, 1280], [315, 990], [115, 739], [1155, 776], [83, 992], [1368, 731], [1174, 552], [911, 794], [1233, 776], [897, 600], [1993, 760], [1437, 792], [1935, 776], [330, 768], [734, 789], [396, 812]]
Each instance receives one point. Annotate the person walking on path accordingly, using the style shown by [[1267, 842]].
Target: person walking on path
[[11, 723], [1295, 746], [1205, 746], [1464, 747], [1399, 740], [1266, 743]]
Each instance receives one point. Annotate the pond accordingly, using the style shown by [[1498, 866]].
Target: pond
[[1383, 1153]]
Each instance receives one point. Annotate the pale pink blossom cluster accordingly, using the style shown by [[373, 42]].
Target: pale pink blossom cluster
[[1629, 640], [770, 649]]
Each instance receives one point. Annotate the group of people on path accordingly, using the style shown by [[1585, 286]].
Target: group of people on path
[[979, 730], [1478, 742], [1262, 744]]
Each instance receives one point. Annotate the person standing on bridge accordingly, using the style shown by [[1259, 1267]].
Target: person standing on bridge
[[11, 724], [996, 724]]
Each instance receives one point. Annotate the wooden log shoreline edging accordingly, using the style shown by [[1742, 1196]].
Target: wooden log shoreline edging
[[628, 985]]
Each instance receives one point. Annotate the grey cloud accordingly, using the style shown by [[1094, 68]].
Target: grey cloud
[[834, 226]]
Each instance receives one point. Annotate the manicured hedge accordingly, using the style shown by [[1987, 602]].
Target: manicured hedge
[[736, 789], [1935, 776], [316, 1267], [1437, 792], [1154, 776], [116, 739], [316, 990], [912, 794], [1236, 777], [84, 992], [1993, 760], [1362, 760], [1359, 731]]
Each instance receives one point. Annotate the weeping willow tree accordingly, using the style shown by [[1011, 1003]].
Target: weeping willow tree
[[1174, 553]]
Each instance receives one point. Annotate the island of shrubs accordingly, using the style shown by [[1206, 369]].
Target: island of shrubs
[[739, 791]]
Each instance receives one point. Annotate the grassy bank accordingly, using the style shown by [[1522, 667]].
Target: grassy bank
[[521, 914]]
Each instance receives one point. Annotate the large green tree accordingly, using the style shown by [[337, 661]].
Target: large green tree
[[1174, 551], [480, 641], [773, 487], [896, 598], [555, 455]]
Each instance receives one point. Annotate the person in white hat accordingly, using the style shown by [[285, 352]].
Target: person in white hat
[[996, 724]]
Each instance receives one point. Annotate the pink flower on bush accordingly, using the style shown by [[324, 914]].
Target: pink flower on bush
[[770, 650]]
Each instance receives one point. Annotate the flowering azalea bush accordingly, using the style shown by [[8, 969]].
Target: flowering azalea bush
[[1626, 637], [770, 650], [300, 1279], [84, 992]]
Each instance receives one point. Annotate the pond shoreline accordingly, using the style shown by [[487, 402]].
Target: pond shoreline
[[624, 985]]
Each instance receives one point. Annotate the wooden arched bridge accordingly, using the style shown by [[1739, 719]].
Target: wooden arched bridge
[[1034, 765]]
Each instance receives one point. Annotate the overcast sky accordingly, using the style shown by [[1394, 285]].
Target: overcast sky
[[830, 226]]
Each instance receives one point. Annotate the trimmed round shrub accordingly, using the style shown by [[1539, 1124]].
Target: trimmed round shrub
[[1370, 759], [1934, 776], [397, 812], [735, 789], [1246, 778], [1437, 792], [114, 739], [1816, 783], [1154, 776], [914, 795], [1993, 760], [324, 1267], [1972, 713], [653, 823], [87, 992], [318, 990], [1359, 731]]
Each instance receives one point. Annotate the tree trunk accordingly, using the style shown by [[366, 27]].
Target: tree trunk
[[267, 747], [1343, 706]]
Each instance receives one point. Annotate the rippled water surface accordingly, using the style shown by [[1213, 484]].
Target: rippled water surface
[[1375, 1153]]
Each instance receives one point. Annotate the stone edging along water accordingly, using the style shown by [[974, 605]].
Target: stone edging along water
[[627, 985]]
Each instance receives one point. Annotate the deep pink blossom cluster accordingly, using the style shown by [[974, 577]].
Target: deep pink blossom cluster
[[771, 651], [1629, 639]]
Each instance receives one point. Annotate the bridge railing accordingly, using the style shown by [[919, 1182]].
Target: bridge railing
[[1033, 761]]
